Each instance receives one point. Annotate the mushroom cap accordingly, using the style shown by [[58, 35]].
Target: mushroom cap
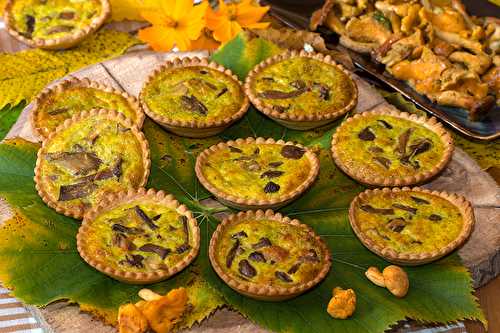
[[396, 280]]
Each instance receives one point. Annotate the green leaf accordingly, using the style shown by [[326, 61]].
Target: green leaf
[[25, 73], [8, 117], [39, 240]]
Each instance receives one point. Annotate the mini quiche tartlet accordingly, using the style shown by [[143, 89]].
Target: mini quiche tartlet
[[193, 97], [266, 256], [301, 90], [54, 24], [411, 226], [89, 156], [256, 173], [139, 237], [390, 148], [56, 104]]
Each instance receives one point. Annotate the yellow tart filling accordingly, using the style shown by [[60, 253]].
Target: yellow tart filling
[[196, 93], [61, 105], [90, 158], [303, 86], [139, 236], [382, 145], [409, 221], [269, 253], [257, 171], [50, 19]]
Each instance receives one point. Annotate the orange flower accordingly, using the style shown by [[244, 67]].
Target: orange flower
[[230, 18], [174, 23], [205, 42]]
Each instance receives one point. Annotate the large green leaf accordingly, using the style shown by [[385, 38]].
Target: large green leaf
[[40, 262]]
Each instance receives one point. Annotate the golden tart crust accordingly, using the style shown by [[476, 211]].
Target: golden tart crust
[[131, 249], [310, 266], [194, 124], [257, 172], [64, 39], [397, 224], [95, 91], [71, 179], [385, 147], [338, 86]]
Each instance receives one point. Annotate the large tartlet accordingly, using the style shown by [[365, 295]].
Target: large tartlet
[[89, 156], [257, 173], [193, 97], [139, 237], [390, 148], [411, 226], [266, 256], [62, 101], [52, 24], [301, 90]]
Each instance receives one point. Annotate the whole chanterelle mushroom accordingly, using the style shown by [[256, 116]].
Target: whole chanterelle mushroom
[[396, 280], [393, 278]]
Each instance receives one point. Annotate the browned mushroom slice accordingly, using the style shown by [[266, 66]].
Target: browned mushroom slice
[[385, 123], [373, 210], [76, 191], [126, 230], [311, 256], [276, 94], [60, 28], [405, 208], [222, 92], [366, 134], [419, 200], [324, 91], [403, 141], [134, 260], [30, 26], [115, 171], [78, 163], [145, 218], [420, 146], [235, 150], [159, 250], [292, 152], [246, 269], [257, 256], [232, 253], [272, 174], [275, 164], [194, 105], [397, 224], [382, 161], [121, 241], [375, 149], [294, 268], [435, 218], [271, 187], [67, 15], [263, 242], [185, 228], [283, 276]]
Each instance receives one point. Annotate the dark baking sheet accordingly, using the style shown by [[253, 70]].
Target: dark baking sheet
[[296, 13]]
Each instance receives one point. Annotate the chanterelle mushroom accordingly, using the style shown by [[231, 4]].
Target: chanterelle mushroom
[[396, 280], [342, 304]]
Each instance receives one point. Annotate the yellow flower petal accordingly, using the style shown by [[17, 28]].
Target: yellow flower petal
[[159, 38], [153, 17], [223, 31], [250, 14], [259, 25], [182, 9]]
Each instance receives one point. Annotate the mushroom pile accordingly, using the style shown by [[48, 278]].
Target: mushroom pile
[[435, 46]]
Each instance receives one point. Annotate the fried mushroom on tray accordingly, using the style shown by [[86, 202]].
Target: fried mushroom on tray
[[435, 46]]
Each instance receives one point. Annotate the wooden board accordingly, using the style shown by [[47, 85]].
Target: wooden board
[[481, 254]]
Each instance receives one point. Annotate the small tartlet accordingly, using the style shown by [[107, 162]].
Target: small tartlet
[[101, 255], [370, 165], [70, 39], [270, 291], [66, 86], [192, 126], [422, 199], [302, 119], [262, 171], [79, 168]]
